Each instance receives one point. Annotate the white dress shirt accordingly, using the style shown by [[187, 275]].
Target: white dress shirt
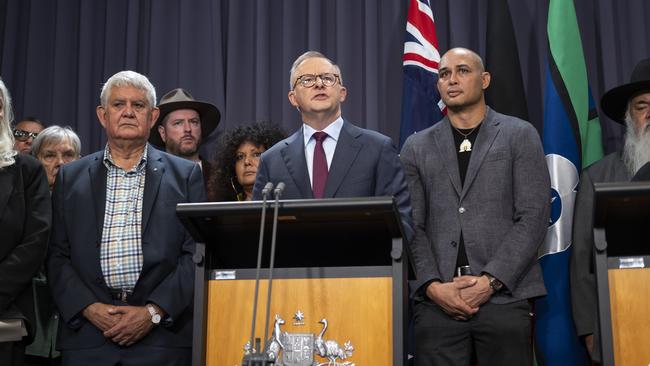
[[329, 144]]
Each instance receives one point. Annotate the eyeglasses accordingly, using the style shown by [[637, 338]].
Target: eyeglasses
[[21, 135], [309, 80]]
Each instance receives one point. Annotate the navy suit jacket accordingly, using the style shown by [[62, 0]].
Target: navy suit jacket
[[167, 276], [365, 164]]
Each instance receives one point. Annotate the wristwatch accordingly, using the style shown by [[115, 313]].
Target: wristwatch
[[495, 284], [155, 316]]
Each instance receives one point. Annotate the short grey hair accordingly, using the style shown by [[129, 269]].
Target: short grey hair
[[7, 151], [56, 135], [125, 79], [305, 56]]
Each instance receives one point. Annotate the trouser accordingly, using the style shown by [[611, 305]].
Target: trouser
[[12, 353], [498, 334], [111, 354]]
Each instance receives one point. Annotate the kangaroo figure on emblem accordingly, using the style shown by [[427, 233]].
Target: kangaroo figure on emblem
[[274, 344]]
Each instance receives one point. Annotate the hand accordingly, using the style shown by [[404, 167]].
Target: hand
[[100, 315], [477, 295], [134, 324], [447, 296], [589, 343]]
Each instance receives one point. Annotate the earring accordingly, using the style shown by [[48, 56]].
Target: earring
[[240, 195]]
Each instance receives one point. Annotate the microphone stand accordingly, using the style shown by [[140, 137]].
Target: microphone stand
[[257, 357], [277, 192]]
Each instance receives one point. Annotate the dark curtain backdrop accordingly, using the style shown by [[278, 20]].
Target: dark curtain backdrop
[[55, 55]]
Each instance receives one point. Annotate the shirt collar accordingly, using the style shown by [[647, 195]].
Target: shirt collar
[[333, 130], [109, 163]]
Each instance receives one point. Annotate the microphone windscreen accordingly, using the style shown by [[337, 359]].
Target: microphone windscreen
[[279, 189], [267, 188]]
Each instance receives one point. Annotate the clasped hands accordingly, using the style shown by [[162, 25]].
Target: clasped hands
[[461, 298], [124, 325]]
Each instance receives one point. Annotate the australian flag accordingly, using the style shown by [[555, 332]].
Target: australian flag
[[421, 104]]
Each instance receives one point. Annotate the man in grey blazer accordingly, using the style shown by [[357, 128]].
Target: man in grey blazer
[[345, 161], [481, 199], [627, 104]]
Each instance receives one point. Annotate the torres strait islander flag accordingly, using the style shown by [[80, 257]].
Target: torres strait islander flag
[[421, 104], [572, 141]]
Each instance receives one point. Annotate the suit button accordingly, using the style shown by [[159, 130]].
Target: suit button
[[461, 210], [453, 244]]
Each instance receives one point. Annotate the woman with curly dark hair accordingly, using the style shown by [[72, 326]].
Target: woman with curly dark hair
[[236, 161]]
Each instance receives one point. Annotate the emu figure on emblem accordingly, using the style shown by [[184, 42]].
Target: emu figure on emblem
[[331, 350]]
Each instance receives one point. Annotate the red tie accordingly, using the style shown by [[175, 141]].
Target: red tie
[[320, 166]]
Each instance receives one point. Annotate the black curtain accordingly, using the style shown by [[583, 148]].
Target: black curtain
[[55, 55]]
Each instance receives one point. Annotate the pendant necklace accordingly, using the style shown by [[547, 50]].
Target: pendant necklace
[[465, 145]]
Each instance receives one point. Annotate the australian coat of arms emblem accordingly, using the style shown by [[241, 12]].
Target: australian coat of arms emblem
[[303, 349]]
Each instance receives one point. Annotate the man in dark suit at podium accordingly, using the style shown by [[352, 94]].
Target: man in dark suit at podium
[[629, 105], [329, 157]]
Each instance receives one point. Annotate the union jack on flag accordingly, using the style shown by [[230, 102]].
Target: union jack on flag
[[421, 104]]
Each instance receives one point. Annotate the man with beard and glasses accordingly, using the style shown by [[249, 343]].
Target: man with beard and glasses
[[183, 125], [627, 104]]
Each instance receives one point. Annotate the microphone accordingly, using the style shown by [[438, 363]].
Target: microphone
[[278, 190], [256, 358], [267, 188], [277, 193]]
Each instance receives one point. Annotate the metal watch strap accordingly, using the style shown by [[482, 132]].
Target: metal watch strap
[[495, 284], [155, 316]]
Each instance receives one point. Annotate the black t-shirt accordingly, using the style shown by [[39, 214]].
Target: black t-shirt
[[463, 162]]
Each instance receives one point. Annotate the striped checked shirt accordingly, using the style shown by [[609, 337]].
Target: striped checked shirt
[[121, 247]]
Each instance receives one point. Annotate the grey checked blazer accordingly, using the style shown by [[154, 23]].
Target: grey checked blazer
[[502, 209]]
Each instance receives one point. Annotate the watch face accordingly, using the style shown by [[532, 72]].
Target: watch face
[[155, 318]]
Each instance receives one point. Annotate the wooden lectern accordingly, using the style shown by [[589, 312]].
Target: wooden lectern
[[341, 260], [622, 265]]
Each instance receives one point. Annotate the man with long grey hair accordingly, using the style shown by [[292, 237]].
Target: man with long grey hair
[[25, 216], [628, 104], [126, 299]]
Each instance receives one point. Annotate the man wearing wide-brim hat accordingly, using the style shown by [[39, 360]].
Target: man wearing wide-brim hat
[[183, 124], [628, 104]]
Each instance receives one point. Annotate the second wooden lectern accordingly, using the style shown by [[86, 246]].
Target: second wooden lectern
[[622, 266], [339, 284]]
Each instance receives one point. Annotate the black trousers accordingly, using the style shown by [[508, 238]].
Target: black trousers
[[12, 353], [111, 354], [498, 334]]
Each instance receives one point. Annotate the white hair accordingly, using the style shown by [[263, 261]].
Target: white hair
[[56, 135], [7, 151], [125, 79]]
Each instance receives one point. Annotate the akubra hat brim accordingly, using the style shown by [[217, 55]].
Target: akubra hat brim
[[181, 99], [614, 102]]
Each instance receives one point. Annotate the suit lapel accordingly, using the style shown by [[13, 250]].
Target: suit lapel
[[97, 175], [444, 140], [294, 159], [347, 148], [155, 170], [7, 184], [484, 140]]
